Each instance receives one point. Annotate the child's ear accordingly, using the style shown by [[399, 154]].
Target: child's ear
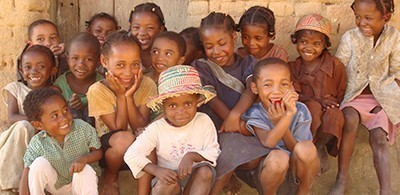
[[387, 17], [234, 36], [103, 60], [37, 124], [54, 71], [181, 60], [199, 54], [253, 87], [29, 42]]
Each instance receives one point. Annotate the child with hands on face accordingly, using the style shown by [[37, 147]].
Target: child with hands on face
[[83, 56], [282, 125], [62, 158], [185, 140], [118, 104]]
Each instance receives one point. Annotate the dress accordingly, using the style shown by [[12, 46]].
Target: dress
[[236, 149], [256, 116], [327, 79], [172, 143], [77, 143], [102, 101], [67, 92], [276, 51], [14, 140]]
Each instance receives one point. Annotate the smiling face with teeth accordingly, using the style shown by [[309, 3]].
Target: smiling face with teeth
[[83, 59], [164, 54], [310, 45], [37, 69], [145, 26], [272, 81], [55, 118], [123, 61]]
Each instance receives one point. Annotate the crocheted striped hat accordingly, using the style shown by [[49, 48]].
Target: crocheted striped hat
[[178, 80], [314, 22]]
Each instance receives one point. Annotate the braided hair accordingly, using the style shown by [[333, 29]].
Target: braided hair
[[260, 16], [118, 37], [150, 8], [218, 20], [384, 6]]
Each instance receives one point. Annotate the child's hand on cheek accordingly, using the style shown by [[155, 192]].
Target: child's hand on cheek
[[185, 166], [275, 112], [78, 165], [289, 99], [138, 80], [114, 84], [167, 176], [58, 49], [75, 102]]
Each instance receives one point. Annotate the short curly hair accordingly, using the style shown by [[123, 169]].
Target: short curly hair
[[36, 99]]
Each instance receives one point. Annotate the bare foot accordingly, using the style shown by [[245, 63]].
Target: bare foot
[[233, 186], [107, 187], [338, 188], [324, 160]]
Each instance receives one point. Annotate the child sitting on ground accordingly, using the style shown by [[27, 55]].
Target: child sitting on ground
[[320, 80], [185, 140], [38, 67], [283, 125], [194, 47], [118, 104], [57, 158], [371, 53], [168, 49], [83, 56]]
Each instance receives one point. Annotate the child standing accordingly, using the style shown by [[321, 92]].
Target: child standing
[[57, 158], [118, 104], [371, 54], [168, 49], [146, 21], [257, 26], [101, 25], [38, 67], [44, 32], [224, 70], [185, 140], [320, 80], [283, 125], [194, 47], [83, 56]]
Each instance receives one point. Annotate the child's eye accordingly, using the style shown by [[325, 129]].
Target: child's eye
[[368, 18], [172, 106], [150, 28], [98, 31], [54, 116], [155, 51], [88, 59], [40, 67], [267, 85], [303, 42], [54, 38], [168, 53], [135, 27], [188, 104], [65, 110], [120, 65], [40, 39], [74, 58], [318, 44], [258, 38]]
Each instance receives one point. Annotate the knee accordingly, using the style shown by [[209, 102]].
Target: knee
[[205, 173], [24, 127], [314, 106], [39, 166], [305, 151], [277, 162], [164, 188], [121, 141], [351, 116], [378, 137]]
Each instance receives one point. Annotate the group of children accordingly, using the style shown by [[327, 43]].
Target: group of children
[[125, 102]]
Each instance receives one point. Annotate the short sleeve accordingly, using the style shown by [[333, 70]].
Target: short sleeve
[[34, 150], [344, 50], [146, 90], [256, 117], [101, 100]]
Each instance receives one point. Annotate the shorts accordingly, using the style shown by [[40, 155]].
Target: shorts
[[183, 182], [105, 145]]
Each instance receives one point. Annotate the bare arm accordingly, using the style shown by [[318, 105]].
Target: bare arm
[[119, 119], [23, 185], [219, 108], [271, 138], [12, 108]]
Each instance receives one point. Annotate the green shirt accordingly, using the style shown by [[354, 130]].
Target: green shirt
[[67, 92], [77, 143]]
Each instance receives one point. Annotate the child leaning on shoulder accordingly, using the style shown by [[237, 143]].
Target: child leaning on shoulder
[[185, 140], [62, 158]]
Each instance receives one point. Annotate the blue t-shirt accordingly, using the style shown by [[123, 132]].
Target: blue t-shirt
[[256, 116]]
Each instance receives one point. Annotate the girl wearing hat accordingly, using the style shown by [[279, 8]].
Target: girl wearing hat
[[320, 80], [185, 140]]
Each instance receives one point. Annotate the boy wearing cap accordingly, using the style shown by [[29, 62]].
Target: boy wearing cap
[[320, 80], [185, 140]]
